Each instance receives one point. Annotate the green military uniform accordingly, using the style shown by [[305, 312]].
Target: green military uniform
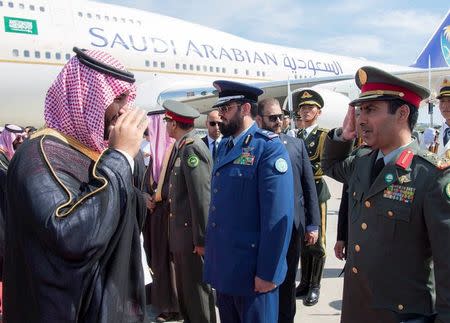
[[398, 263], [313, 257], [189, 196]]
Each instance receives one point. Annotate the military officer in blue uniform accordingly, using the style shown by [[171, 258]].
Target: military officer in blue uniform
[[398, 263], [250, 215]]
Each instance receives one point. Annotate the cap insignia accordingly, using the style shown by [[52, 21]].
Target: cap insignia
[[306, 95], [362, 75]]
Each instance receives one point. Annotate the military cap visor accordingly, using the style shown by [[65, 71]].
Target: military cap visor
[[307, 97], [445, 90], [180, 112], [378, 85], [229, 91]]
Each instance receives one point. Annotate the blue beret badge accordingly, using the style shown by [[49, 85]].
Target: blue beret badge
[[281, 165]]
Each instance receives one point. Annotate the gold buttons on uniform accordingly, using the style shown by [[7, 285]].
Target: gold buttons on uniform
[[355, 270], [357, 248], [390, 214], [170, 200], [354, 194], [185, 224], [367, 204], [400, 307], [253, 245], [170, 215], [364, 226]]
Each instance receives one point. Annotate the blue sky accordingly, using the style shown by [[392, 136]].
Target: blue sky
[[381, 30]]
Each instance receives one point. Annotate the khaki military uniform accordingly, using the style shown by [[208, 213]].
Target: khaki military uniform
[[189, 196], [398, 255], [313, 257]]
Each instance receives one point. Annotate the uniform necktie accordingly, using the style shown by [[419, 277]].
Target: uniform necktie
[[214, 150], [230, 144], [301, 134], [376, 169], [446, 136]]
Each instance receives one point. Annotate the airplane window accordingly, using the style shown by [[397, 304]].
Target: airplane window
[[58, 55], [155, 64], [177, 66], [67, 56], [15, 52], [247, 72], [37, 54], [147, 63], [131, 20], [211, 69], [97, 16], [1, 3], [107, 18], [26, 53], [31, 7], [257, 73], [191, 67], [184, 66], [42, 9], [21, 6], [80, 14], [198, 67], [89, 15], [48, 55], [217, 69], [224, 70], [263, 73], [139, 22], [235, 71], [163, 65], [123, 20], [115, 19], [10, 4]]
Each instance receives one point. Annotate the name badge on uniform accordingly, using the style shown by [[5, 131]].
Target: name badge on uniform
[[246, 158], [399, 193]]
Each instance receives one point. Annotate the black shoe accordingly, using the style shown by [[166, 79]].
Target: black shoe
[[301, 290], [167, 317], [313, 297]]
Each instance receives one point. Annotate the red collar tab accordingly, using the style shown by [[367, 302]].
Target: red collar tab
[[405, 158], [392, 90], [179, 118]]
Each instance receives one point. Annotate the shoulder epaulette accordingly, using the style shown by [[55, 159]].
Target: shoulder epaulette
[[186, 142], [323, 130], [266, 133], [437, 161]]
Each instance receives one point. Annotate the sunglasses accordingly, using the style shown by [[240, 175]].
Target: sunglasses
[[214, 123], [225, 108], [275, 117]]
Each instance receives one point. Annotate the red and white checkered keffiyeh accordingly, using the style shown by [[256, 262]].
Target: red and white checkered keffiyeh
[[6, 141], [76, 102]]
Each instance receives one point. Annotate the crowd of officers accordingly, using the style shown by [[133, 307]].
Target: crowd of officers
[[225, 219]]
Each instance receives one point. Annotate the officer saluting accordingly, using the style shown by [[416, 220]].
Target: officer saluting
[[250, 215], [398, 262], [309, 106]]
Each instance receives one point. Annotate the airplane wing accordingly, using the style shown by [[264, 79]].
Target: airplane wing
[[202, 98]]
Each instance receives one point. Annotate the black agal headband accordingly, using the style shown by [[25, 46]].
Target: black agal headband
[[101, 67]]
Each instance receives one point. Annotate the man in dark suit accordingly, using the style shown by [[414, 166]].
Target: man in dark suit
[[306, 206], [214, 136]]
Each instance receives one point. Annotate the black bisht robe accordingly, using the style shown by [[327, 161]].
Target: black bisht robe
[[72, 237]]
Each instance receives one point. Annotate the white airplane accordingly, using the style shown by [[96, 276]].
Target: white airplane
[[170, 58]]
